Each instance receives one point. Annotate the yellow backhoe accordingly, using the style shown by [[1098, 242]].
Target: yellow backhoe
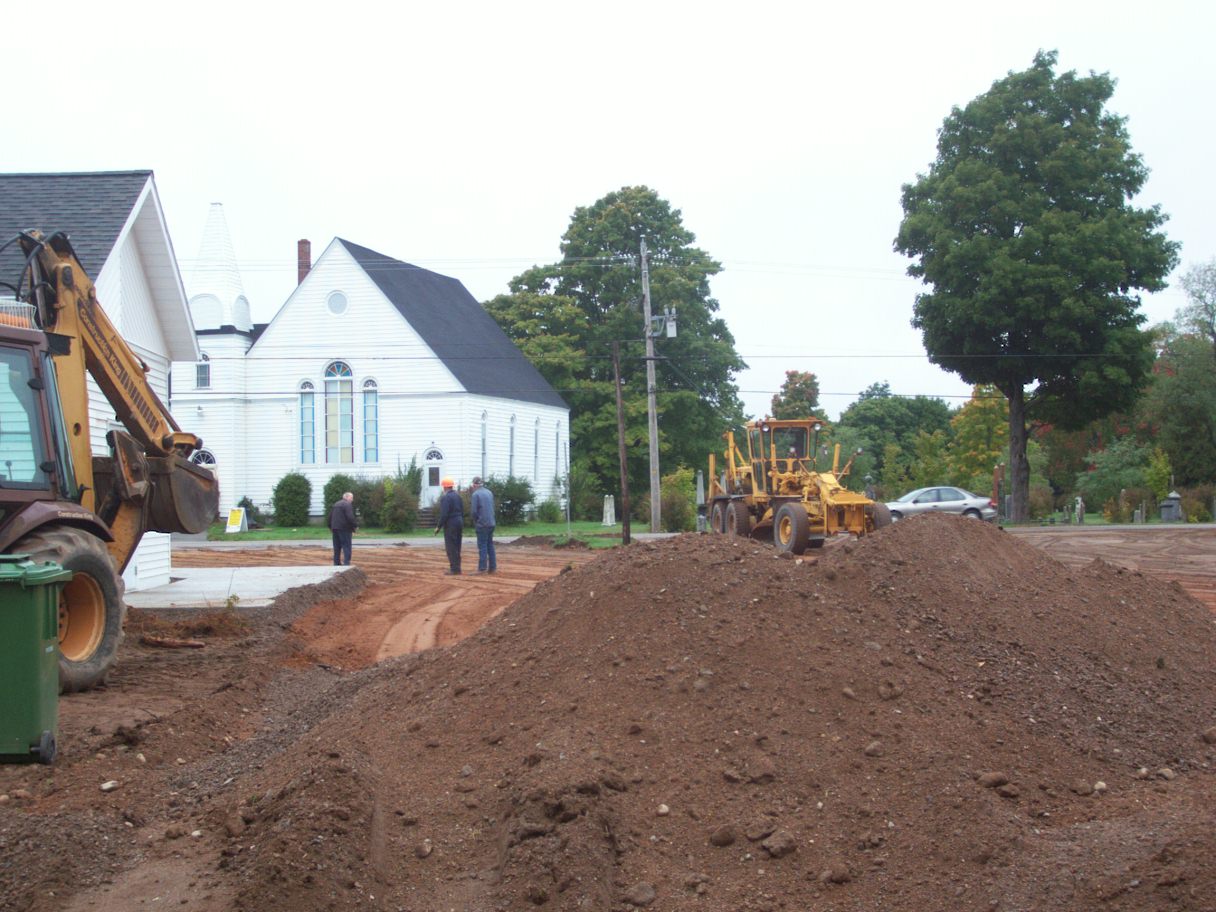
[[777, 489], [58, 501]]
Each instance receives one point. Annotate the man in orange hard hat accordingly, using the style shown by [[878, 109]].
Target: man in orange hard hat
[[451, 521]]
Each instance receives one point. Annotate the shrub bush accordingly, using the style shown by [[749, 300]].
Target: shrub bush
[[337, 485], [1041, 501], [549, 511], [370, 496], [1122, 508], [1197, 503], [677, 493], [400, 511], [290, 500], [253, 513], [586, 502], [411, 476], [512, 497]]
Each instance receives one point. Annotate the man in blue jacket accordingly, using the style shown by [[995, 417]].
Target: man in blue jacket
[[451, 521], [483, 522]]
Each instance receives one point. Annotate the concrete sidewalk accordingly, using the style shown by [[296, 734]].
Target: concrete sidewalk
[[212, 587]]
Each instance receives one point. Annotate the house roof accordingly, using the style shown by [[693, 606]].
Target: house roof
[[100, 211], [451, 322], [92, 208]]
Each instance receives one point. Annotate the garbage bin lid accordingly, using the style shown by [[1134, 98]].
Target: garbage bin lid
[[19, 569]]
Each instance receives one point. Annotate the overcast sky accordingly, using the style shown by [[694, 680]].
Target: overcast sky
[[461, 138]]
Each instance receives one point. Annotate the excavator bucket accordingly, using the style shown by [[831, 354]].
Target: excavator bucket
[[185, 497]]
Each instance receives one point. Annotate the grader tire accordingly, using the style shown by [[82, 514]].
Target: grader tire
[[791, 529], [717, 517], [738, 520], [91, 606], [880, 515]]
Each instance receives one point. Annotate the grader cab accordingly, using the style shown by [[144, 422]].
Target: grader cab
[[778, 490]]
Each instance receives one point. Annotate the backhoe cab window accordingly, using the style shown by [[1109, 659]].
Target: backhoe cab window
[[21, 447]]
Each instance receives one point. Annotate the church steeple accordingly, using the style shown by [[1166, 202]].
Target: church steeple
[[217, 296]]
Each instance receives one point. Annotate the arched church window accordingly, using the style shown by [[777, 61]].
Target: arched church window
[[371, 421], [339, 413], [308, 424]]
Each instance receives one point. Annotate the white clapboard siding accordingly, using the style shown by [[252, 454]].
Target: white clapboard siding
[[217, 413]]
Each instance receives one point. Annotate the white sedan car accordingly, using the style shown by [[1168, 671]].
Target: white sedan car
[[943, 500]]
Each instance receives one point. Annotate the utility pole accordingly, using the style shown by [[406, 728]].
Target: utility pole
[[620, 443], [651, 401]]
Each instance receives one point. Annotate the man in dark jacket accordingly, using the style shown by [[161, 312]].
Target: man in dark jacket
[[342, 524], [451, 521]]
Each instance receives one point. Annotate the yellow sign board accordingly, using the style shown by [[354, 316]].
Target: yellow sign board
[[237, 521]]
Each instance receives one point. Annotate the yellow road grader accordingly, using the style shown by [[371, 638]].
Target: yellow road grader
[[778, 490]]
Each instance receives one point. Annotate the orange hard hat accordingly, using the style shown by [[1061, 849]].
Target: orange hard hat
[[448, 483]]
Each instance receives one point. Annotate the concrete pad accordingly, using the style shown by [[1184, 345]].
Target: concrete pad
[[211, 587]]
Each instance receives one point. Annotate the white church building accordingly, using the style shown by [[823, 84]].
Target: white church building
[[369, 364]]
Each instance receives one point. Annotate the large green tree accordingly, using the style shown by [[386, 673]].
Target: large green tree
[[565, 317], [1024, 230], [981, 430], [1199, 314], [881, 420], [1180, 407], [798, 397]]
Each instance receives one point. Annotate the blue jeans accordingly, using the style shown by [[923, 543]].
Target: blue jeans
[[486, 560]]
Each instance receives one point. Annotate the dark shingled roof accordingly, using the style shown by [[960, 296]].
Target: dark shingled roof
[[457, 328], [91, 208]]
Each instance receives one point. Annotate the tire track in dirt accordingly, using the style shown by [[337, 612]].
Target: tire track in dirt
[[409, 604], [1185, 554]]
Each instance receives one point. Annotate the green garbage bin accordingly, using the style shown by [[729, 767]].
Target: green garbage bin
[[29, 658]]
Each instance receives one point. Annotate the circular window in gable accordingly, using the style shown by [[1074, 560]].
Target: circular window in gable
[[336, 303]]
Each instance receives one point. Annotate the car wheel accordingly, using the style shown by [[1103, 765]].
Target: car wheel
[[972, 514], [896, 516]]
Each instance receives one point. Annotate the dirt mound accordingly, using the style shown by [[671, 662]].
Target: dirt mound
[[939, 716]]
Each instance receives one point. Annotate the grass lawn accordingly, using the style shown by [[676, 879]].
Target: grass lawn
[[594, 533]]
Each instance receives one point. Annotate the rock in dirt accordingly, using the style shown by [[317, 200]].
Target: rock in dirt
[[780, 844], [723, 836], [758, 829], [836, 871], [641, 894]]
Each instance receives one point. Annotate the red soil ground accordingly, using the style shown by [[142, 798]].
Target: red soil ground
[[941, 716]]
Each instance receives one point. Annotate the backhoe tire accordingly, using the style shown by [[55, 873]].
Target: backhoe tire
[[717, 517], [91, 606], [791, 529], [738, 520], [880, 515]]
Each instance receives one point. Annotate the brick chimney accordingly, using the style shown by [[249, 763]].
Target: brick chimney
[[303, 259]]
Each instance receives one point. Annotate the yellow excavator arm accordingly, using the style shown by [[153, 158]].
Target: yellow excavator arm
[[147, 483]]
